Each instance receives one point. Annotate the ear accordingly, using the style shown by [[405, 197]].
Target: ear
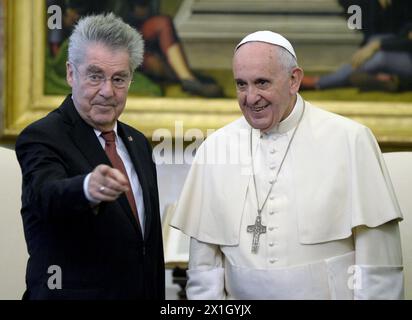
[[69, 74], [295, 79]]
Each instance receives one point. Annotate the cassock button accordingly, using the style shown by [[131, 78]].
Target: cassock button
[[271, 228], [272, 197], [272, 181], [272, 167], [272, 151], [272, 213], [273, 260], [271, 244]]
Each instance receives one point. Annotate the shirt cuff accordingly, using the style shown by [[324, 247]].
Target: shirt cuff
[[206, 284], [92, 201], [379, 283]]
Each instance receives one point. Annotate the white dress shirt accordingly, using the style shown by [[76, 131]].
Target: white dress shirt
[[131, 172]]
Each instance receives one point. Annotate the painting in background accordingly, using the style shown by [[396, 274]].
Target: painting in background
[[209, 30], [165, 63], [383, 61]]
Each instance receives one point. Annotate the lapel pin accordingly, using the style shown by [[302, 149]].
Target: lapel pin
[[130, 138]]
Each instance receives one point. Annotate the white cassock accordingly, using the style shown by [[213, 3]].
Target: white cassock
[[331, 216]]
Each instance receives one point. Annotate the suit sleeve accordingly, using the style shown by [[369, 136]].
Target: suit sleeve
[[47, 186]]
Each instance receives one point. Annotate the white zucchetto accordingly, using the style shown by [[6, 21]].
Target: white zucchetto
[[268, 37]]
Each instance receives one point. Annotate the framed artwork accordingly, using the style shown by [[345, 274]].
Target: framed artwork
[[26, 98]]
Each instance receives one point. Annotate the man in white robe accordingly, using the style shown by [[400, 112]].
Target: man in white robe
[[289, 201]]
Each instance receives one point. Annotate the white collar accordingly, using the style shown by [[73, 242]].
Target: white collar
[[98, 132], [287, 124]]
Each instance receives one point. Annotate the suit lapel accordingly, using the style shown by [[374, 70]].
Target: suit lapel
[[83, 135], [134, 146]]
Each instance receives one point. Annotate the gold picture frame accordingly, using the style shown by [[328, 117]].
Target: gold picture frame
[[25, 101]]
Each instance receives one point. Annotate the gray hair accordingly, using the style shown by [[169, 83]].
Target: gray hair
[[110, 31], [286, 59]]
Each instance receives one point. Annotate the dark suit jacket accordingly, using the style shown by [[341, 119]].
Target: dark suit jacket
[[103, 255]]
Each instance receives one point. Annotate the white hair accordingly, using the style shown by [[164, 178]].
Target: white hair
[[109, 30], [286, 59]]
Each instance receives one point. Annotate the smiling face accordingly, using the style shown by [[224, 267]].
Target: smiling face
[[266, 92], [100, 105]]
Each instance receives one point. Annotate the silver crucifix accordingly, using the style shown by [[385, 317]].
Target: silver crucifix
[[257, 229]]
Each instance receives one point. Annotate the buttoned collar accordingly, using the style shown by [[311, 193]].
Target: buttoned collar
[[98, 132]]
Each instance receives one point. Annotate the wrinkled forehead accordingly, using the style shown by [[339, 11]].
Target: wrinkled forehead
[[102, 56], [255, 60]]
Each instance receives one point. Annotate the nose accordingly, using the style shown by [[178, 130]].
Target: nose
[[252, 95], [106, 89]]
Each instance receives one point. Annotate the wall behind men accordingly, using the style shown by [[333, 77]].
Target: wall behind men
[[13, 252]]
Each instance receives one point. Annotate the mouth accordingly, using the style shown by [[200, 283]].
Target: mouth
[[258, 108], [103, 105]]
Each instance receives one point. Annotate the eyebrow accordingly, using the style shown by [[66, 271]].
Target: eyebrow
[[95, 69], [261, 79], [122, 74]]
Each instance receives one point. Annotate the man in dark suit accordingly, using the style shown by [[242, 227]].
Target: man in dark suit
[[90, 202]]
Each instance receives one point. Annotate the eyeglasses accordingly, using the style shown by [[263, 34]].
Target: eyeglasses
[[96, 79]]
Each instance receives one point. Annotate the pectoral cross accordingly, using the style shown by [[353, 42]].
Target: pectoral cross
[[257, 229]]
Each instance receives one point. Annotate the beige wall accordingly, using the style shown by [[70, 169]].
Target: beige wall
[[400, 169], [13, 252]]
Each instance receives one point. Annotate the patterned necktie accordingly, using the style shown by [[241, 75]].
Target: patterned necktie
[[110, 148]]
